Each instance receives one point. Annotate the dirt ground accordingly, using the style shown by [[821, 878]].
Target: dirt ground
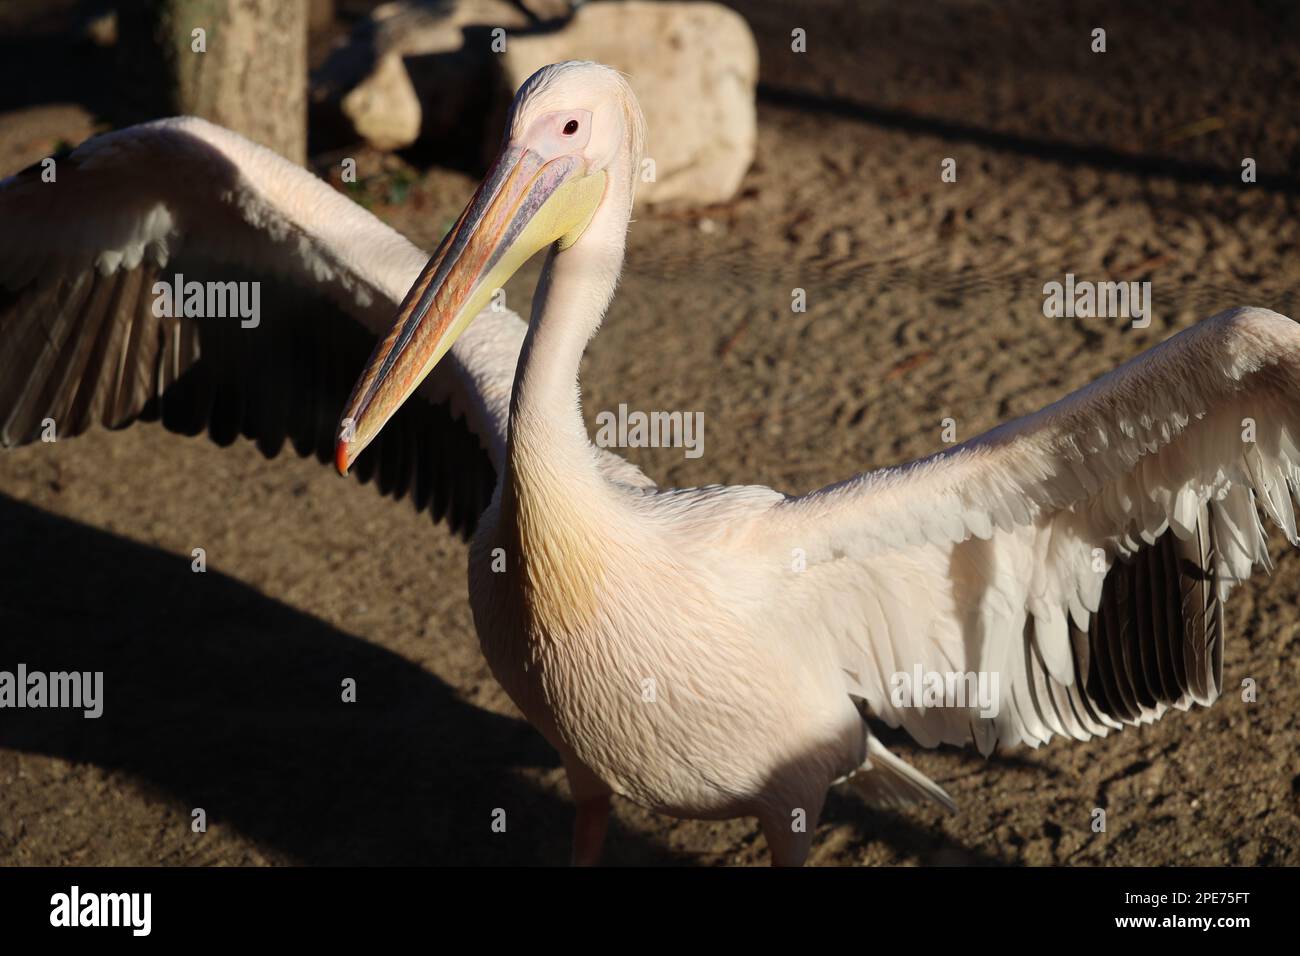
[[924, 301]]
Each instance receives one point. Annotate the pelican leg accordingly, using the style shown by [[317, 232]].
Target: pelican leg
[[789, 833], [589, 830], [591, 797], [787, 848]]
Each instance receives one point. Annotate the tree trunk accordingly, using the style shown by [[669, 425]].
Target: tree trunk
[[247, 70]]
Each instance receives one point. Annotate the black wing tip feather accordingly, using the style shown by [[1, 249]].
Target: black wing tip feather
[[1157, 639], [283, 382]]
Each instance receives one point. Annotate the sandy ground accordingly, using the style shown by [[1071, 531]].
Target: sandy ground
[[924, 302]]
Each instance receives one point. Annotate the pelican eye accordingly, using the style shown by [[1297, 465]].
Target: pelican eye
[[570, 127]]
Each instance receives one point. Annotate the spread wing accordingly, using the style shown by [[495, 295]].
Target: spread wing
[[92, 334], [1079, 556]]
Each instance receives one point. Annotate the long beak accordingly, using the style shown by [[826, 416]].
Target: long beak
[[523, 205]]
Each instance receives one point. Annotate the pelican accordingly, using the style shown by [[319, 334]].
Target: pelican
[[706, 652]]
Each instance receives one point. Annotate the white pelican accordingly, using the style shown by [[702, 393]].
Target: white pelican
[[706, 652]]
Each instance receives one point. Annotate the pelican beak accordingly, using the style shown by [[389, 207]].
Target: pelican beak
[[523, 205]]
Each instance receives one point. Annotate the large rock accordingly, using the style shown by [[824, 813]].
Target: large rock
[[694, 67], [434, 72]]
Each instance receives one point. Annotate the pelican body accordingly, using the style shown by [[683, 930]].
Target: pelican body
[[607, 608]]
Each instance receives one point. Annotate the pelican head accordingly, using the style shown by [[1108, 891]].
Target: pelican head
[[573, 138]]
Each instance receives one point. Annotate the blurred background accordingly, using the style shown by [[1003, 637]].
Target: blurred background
[[796, 145]]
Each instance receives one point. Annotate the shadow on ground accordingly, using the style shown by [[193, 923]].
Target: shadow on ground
[[231, 701]]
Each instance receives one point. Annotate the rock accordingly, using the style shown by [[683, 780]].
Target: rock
[[385, 109], [435, 72], [408, 71], [694, 67]]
